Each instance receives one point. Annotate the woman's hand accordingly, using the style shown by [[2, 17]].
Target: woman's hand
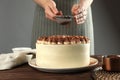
[[50, 8], [79, 14], [79, 10]]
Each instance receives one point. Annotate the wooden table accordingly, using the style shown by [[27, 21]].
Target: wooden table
[[25, 72]]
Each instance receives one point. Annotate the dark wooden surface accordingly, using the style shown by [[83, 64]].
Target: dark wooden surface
[[25, 72]]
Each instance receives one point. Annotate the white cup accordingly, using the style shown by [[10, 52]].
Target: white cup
[[21, 49]]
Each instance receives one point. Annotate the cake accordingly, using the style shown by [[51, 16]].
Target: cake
[[62, 51]]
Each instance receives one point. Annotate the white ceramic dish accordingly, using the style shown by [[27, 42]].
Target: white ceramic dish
[[93, 63]]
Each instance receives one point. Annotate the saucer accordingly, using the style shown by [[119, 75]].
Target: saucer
[[92, 65]]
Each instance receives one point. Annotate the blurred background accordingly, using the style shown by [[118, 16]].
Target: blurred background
[[16, 20]]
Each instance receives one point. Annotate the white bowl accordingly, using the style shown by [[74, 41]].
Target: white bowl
[[21, 49]]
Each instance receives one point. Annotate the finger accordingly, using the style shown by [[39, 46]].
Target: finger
[[80, 10], [78, 16], [59, 13], [83, 14], [54, 4], [82, 17], [49, 14], [80, 22], [49, 17], [53, 7]]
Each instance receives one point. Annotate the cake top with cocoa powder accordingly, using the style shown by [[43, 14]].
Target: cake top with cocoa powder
[[63, 39]]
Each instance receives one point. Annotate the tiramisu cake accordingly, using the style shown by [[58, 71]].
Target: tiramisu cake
[[62, 51]]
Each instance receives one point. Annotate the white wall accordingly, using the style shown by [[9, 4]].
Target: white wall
[[16, 19], [106, 30]]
